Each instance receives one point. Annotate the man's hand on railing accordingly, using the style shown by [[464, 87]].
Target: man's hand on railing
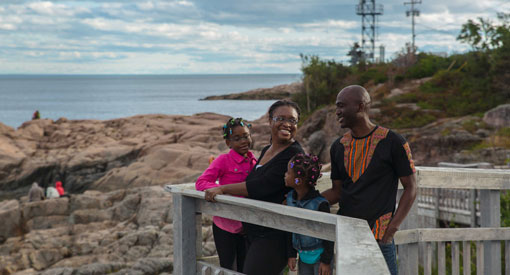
[[292, 264], [211, 193], [324, 269], [389, 234]]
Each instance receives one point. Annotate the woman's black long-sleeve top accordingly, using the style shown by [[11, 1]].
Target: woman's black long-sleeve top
[[267, 183]]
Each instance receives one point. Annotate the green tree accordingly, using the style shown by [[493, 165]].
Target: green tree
[[356, 54], [322, 80], [484, 35], [479, 34], [500, 65]]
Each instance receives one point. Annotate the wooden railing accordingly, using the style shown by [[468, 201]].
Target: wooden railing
[[436, 240], [457, 206], [488, 183], [360, 254]]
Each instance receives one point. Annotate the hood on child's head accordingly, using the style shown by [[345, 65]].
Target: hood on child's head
[[58, 184]]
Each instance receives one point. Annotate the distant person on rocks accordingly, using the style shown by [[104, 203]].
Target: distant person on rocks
[[267, 251], [60, 189], [35, 193], [229, 168], [366, 164], [36, 115], [315, 255], [52, 192]]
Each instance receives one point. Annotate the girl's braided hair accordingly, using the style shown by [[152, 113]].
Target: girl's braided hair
[[231, 124], [306, 167]]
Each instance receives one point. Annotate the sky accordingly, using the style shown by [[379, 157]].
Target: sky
[[213, 36]]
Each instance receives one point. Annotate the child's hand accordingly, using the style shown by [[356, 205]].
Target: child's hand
[[211, 193], [324, 269], [292, 264]]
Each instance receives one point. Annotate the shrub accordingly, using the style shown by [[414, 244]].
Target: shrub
[[427, 65], [377, 74]]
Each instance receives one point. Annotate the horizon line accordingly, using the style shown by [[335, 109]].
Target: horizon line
[[136, 74]]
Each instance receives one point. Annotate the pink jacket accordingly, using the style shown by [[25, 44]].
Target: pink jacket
[[227, 168]]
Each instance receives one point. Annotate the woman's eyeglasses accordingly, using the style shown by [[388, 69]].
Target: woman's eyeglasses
[[281, 119]]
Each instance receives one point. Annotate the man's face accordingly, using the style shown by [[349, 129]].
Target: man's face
[[347, 109]]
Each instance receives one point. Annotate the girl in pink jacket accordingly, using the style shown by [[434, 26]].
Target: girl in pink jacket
[[229, 168]]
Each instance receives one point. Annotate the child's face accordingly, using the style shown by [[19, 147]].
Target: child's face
[[290, 177], [240, 140]]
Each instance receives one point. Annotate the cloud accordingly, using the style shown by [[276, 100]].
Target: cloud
[[210, 36]]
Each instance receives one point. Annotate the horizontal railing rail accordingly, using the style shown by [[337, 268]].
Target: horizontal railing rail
[[463, 178], [452, 234], [455, 178]]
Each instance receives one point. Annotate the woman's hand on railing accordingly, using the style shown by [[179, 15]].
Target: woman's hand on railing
[[211, 193]]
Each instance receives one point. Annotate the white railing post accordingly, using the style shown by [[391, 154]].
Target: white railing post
[[490, 217], [472, 207], [408, 253], [357, 251], [185, 234]]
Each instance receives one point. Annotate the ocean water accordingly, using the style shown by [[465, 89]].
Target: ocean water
[[114, 96]]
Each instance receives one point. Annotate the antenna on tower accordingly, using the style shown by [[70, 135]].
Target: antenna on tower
[[368, 11], [413, 12]]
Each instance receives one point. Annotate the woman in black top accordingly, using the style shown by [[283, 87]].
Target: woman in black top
[[267, 249]]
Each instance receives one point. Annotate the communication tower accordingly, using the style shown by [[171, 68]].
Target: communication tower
[[381, 54], [413, 12], [368, 11]]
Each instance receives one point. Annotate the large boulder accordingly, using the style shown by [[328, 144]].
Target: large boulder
[[319, 131], [10, 217], [498, 117], [11, 157], [49, 207]]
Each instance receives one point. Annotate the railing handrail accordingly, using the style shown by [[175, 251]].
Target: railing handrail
[[452, 234], [457, 178], [360, 253], [463, 178], [324, 219]]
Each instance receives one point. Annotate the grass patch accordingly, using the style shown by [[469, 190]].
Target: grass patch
[[470, 125]]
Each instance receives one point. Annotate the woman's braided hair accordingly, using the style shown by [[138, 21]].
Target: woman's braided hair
[[306, 167], [231, 124]]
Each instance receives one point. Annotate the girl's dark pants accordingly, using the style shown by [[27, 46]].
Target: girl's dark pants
[[230, 247], [266, 255]]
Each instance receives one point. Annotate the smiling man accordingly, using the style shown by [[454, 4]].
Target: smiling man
[[366, 165]]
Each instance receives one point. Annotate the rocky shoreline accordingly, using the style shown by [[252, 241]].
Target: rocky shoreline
[[138, 151], [274, 93], [118, 218]]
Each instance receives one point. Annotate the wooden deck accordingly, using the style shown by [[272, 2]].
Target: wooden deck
[[360, 253]]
